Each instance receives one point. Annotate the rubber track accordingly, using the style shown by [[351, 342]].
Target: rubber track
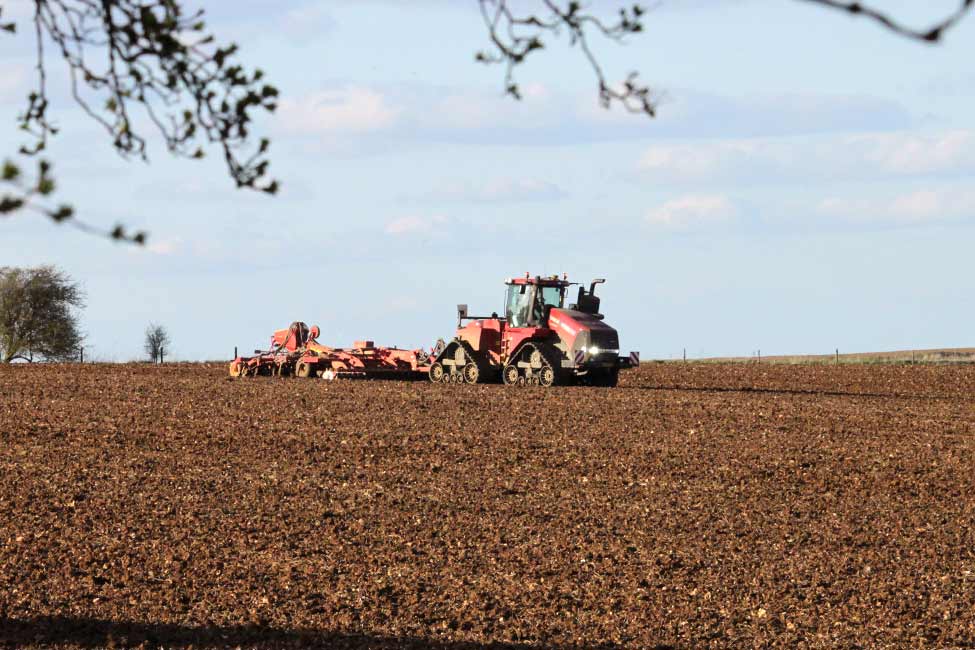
[[484, 370], [550, 355]]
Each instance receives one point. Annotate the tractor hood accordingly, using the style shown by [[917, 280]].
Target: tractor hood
[[581, 331]]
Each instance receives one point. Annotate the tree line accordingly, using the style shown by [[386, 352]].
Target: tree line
[[39, 318]]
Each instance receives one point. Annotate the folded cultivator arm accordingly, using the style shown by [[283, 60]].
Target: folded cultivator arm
[[296, 351]]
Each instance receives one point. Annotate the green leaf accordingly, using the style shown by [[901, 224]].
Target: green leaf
[[10, 171], [63, 213], [45, 186], [10, 203]]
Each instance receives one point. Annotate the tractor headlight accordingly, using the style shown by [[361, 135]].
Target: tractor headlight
[[594, 350]]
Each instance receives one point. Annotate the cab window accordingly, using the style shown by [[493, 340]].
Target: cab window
[[518, 304], [552, 296]]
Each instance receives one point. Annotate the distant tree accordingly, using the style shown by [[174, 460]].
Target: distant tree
[[37, 315], [157, 342]]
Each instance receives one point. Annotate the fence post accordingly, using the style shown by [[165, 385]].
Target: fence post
[[235, 352], [162, 357], [837, 358], [759, 355], [82, 350], [912, 357], [685, 355]]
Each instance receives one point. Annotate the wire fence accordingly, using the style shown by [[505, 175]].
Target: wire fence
[[836, 356]]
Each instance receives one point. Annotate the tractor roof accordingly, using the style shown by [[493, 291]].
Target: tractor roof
[[544, 281]]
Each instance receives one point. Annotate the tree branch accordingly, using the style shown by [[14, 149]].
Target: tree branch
[[34, 195], [931, 35], [515, 37], [122, 54]]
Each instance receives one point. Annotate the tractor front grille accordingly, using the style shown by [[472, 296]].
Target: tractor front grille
[[605, 339]]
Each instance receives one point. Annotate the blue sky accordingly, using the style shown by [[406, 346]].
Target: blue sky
[[806, 186]]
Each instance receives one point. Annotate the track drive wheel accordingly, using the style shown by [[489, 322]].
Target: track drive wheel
[[545, 361], [471, 373], [510, 375], [436, 372], [546, 376]]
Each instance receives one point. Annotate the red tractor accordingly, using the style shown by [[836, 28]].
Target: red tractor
[[539, 341]]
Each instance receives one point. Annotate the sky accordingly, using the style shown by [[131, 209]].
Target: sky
[[806, 186]]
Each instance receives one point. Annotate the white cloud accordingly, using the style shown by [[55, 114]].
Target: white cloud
[[693, 211], [696, 161], [340, 111], [471, 110], [419, 112], [413, 224], [164, 247], [839, 157], [502, 190], [917, 207], [306, 23], [16, 10], [13, 83], [909, 153], [687, 113]]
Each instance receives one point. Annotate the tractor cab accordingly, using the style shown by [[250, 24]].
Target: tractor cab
[[529, 300]]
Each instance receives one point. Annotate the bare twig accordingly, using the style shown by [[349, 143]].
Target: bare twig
[[931, 35], [34, 195], [122, 54], [515, 37]]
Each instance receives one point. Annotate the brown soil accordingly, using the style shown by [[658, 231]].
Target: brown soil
[[694, 506]]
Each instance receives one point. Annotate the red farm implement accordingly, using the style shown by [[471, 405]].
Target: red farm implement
[[296, 351]]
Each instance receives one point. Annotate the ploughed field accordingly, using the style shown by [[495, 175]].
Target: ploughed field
[[693, 506]]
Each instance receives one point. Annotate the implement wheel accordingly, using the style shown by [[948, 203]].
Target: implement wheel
[[436, 372], [303, 370]]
